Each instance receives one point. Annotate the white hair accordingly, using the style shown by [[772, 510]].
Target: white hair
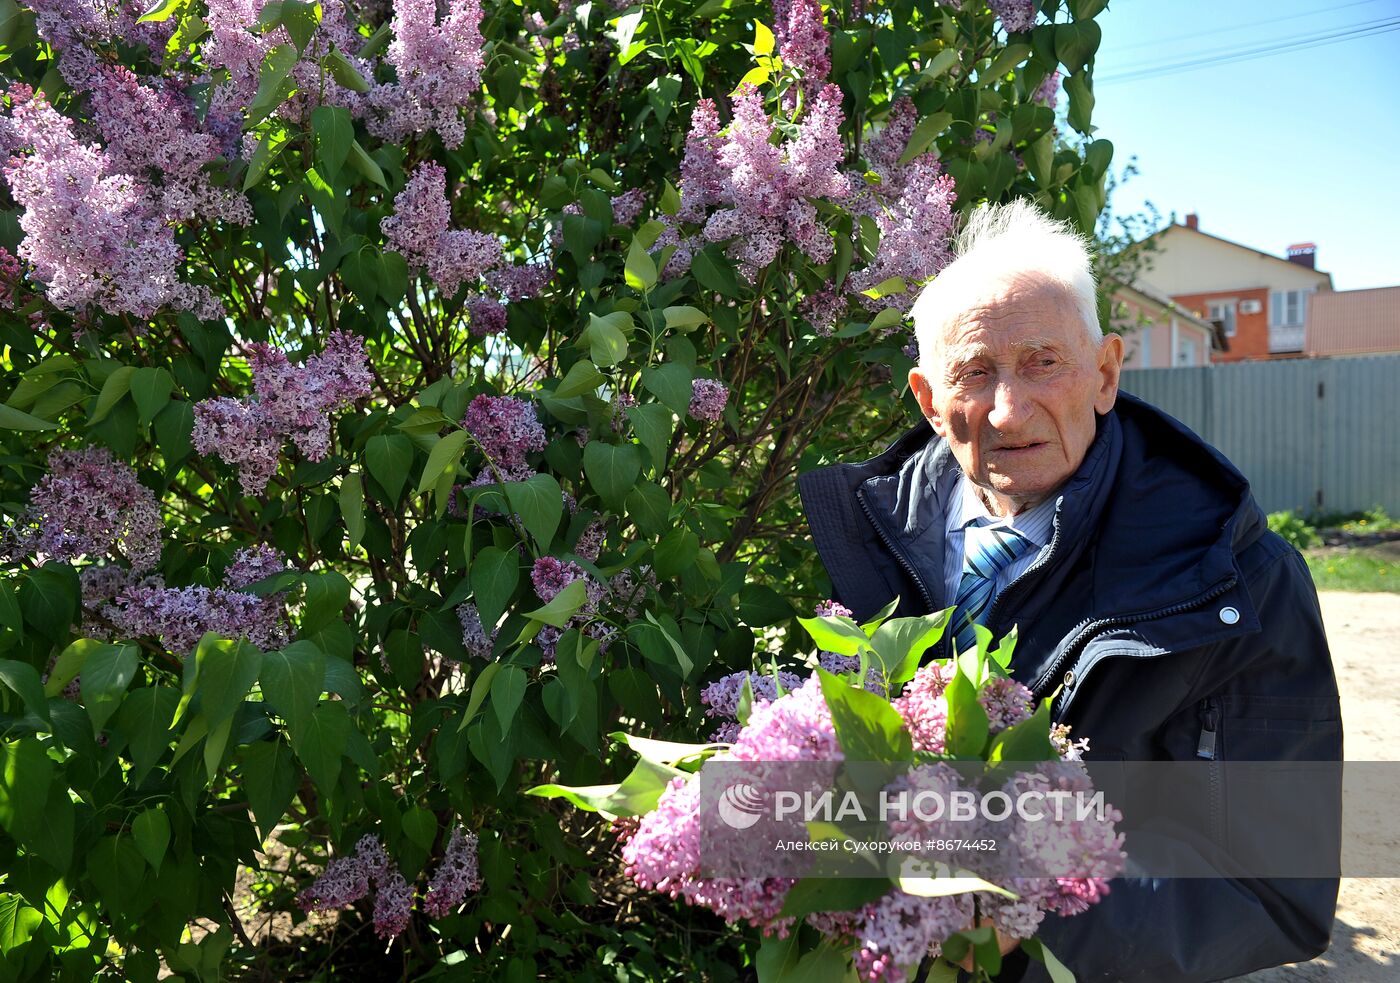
[[1000, 242]]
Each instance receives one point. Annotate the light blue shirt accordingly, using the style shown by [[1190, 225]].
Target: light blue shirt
[[965, 506]]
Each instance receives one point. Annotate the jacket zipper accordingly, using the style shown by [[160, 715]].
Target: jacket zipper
[[895, 551], [1088, 628], [1208, 747]]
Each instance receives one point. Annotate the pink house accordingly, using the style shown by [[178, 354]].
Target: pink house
[[1158, 334]]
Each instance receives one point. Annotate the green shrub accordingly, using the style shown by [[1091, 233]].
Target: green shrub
[[1293, 528]]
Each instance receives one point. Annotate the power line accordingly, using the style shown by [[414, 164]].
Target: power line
[[1301, 44], [1196, 36]]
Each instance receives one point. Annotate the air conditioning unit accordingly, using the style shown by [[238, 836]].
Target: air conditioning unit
[[1251, 306]]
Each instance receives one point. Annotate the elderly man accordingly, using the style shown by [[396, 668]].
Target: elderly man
[[1140, 572]]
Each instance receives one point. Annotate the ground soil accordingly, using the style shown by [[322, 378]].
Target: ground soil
[[1364, 634]]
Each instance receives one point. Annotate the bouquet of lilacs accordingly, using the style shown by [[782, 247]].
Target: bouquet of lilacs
[[774, 823]]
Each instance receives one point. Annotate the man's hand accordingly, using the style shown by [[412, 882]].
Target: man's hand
[[1004, 942]]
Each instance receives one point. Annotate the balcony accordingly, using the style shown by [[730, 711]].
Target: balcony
[[1285, 338]]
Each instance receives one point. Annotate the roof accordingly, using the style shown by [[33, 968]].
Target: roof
[[1354, 322], [1143, 293], [1230, 242]]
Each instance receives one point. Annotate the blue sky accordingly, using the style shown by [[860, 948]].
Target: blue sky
[[1301, 146]]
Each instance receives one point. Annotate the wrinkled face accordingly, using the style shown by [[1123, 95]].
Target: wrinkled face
[[1013, 385]]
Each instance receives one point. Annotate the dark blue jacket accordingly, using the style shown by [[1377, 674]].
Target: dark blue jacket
[[1177, 626]]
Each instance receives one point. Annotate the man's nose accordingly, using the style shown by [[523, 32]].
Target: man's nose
[[1010, 406]]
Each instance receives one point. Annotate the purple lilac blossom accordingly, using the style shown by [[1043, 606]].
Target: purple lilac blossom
[[721, 698], [506, 428], [803, 43], [1017, 16], [1049, 91], [439, 70], [291, 401], [252, 564], [627, 206], [487, 316], [707, 399], [180, 616], [419, 231], [475, 639], [457, 875], [90, 505], [92, 235], [393, 904]]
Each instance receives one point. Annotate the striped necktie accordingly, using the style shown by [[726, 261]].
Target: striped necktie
[[987, 551]]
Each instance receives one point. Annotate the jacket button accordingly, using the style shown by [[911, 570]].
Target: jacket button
[[1229, 615], [1069, 679]]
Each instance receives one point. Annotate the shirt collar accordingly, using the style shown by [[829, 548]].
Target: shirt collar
[[966, 507]]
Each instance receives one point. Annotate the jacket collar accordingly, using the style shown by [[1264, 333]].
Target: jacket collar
[[1166, 513]]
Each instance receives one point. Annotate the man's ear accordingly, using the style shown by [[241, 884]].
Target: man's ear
[[1110, 369], [923, 393]]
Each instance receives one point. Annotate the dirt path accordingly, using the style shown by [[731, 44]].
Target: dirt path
[[1364, 634]]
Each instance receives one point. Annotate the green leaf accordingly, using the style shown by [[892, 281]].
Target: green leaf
[[1028, 740], [761, 606], [607, 343], [352, 508], [25, 774], [292, 681], [1010, 56], [539, 501], [151, 389], [388, 458], [507, 690], [276, 68], [118, 384], [612, 469], [69, 664], [322, 747], [967, 726], [1081, 101], [269, 776], [144, 718], [561, 606], [1097, 157], [635, 795], [668, 635], [890, 285], [444, 457], [640, 268], [224, 672], [162, 10], [420, 826], [1036, 949], [344, 72], [924, 134], [301, 20], [151, 831], [480, 689], [1075, 43], [676, 552], [18, 923], [900, 644], [107, 673], [653, 425], [671, 383], [948, 881], [1040, 158], [670, 203], [649, 507], [666, 752], [494, 575], [777, 960], [837, 634], [867, 727], [813, 894], [714, 272], [365, 165], [889, 316], [583, 377], [23, 680], [13, 419], [334, 132], [940, 63], [684, 318], [272, 144]]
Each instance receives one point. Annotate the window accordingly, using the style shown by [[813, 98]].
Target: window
[[1287, 308], [1186, 352], [1224, 312]]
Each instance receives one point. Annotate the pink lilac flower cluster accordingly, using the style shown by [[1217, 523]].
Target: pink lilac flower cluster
[[92, 234], [506, 428], [291, 401], [1017, 16], [10, 274], [457, 875], [803, 43], [419, 230], [840, 665], [707, 399], [180, 616], [73, 25], [764, 189], [438, 64], [721, 698], [912, 205], [549, 576], [89, 505], [627, 206], [349, 879], [1048, 93], [477, 641]]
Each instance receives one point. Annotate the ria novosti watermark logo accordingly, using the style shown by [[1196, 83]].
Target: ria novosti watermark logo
[[741, 806]]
